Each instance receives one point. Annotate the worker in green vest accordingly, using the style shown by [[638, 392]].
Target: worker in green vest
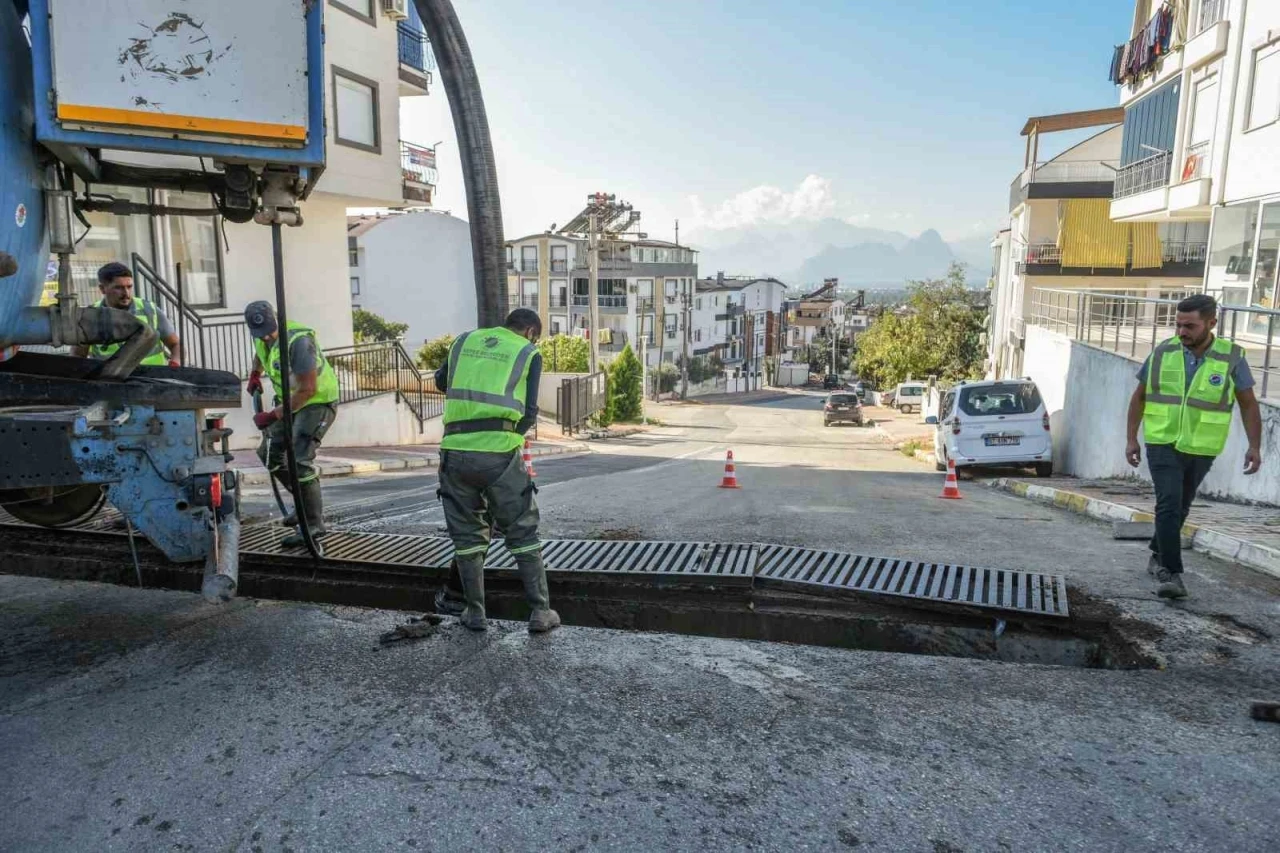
[[490, 380], [313, 399], [1186, 390], [115, 281]]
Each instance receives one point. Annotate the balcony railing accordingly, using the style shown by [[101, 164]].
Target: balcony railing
[[1196, 165], [1144, 175], [414, 48], [1133, 324], [559, 265], [1171, 252], [604, 301], [418, 173], [558, 300], [1211, 11], [523, 300], [527, 265]]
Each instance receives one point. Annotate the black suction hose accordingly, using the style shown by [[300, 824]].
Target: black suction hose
[[275, 487], [479, 172], [282, 344]]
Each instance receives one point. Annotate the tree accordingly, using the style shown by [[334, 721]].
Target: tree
[[565, 354], [368, 326], [625, 387], [938, 333], [434, 353], [667, 376]]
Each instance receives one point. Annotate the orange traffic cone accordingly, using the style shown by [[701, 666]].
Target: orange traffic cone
[[528, 460], [730, 480], [951, 489]]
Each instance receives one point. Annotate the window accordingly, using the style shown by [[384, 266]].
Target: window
[[559, 258], [1204, 110], [697, 303], [948, 402], [362, 9], [511, 264], [355, 111], [1264, 98], [1013, 398], [353, 252], [110, 238], [355, 285], [644, 288], [528, 258], [1150, 124], [193, 242]]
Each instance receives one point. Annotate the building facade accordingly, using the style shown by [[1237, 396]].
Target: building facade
[[739, 318]]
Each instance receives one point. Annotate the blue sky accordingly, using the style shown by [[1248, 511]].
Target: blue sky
[[900, 114]]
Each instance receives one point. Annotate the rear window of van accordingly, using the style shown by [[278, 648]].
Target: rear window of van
[[1006, 398]]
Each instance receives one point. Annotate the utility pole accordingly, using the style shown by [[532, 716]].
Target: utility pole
[[593, 287], [687, 305], [660, 320]]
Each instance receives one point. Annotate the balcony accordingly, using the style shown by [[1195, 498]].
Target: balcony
[[1146, 69], [523, 300], [1068, 179], [1191, 193], [603, 300], [416, 61], [559, 265], [528, 265], [1142, 187], [1178, 258], [417, 172], [558, 300]]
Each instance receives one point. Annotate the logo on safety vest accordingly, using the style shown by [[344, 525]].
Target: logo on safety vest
[[20, 215], [490, 343], [1216, 379]]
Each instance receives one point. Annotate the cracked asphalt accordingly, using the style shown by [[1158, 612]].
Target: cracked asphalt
[[148, 720]]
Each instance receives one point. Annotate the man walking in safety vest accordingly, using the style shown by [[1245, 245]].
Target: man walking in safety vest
[[313, 398], [1186, 390], [115, 281], [490, 380]]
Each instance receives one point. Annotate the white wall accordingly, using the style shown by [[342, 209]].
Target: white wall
[[379, 421], [1087, 391], [317, 284], [1253, 169], [417, 269]]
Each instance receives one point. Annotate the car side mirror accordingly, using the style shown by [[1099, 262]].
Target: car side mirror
[[932, 419]]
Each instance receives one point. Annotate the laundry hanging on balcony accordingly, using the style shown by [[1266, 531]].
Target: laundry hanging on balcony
[[1132, 61], [1089, 239]]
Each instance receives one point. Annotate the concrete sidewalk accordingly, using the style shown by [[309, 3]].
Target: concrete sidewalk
[[1249, 535], [356, 461]]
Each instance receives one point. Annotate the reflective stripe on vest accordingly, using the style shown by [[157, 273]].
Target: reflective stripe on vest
[[488, 372], [146, 311], [327, 390], [1194, 419]]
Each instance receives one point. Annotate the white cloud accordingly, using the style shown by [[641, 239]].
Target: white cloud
[[768, 205]]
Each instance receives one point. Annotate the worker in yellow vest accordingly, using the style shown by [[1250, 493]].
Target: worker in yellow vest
[[490, 380], [313, 400], [1186, 390], [115, 281]]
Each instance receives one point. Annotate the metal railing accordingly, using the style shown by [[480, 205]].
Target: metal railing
[[558, 300], [211, 341], [384, 367], [1054, 172], [578, 398], [1211, 11], [523, 300], [603, 300], [559, 265], [418, 164], [1196, 164], [527, 265], [414, 48], [1151, 173], [1171, 252], [1184, 251], [1133, 325]]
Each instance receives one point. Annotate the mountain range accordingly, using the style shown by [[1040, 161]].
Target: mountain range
[[805, 253]]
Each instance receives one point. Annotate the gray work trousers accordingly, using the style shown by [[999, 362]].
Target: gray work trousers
[[477, 489], [310, 423]]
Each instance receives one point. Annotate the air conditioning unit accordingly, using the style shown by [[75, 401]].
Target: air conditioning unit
[[396, 10]]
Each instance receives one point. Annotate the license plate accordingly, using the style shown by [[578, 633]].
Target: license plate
[[842, 408], [1001, 440]]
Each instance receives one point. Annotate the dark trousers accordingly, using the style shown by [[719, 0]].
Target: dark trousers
[[1176, 476]]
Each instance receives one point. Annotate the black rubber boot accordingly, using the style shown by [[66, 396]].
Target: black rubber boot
[[471, 569], [534, 577], [313, 502]]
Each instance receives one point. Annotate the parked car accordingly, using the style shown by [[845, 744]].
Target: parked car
[[999, 423], [908, 396], [831, 381], [842, 407]]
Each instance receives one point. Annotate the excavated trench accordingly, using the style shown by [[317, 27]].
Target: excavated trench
[[1094, 635]]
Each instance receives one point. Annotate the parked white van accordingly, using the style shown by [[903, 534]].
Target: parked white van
[[908, 396], [994, 423]]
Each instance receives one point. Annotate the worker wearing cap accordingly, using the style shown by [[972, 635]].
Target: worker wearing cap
[[115, 281], [490, 380], [313, 393]]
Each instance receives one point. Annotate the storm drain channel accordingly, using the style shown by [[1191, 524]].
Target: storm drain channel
[[743, 590]]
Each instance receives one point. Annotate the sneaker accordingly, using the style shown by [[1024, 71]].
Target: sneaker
[[1170, 584]]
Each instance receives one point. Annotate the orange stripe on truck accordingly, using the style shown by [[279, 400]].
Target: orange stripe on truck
[[181, 123]]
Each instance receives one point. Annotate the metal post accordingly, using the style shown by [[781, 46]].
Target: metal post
[[182, 320], [593, 288], [686, 303], [1133, 350], [1266, 359]]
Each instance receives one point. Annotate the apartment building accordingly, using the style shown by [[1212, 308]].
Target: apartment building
[[739, 318], [1061, 236], [644, 291], [372, 60], [1201, 137], [413, 267]]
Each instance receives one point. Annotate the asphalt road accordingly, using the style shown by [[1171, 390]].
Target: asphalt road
[[148, 720]]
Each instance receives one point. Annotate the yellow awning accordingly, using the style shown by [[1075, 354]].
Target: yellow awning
[[1088, 237]]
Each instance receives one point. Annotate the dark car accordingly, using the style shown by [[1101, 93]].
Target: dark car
[[861, 388], [842, 407], [831, 381]]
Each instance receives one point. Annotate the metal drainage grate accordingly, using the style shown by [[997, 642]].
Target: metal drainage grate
[[993, 588], [707, 559]]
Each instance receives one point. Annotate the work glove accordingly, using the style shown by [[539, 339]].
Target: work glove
[[262, 420], [255, 382], [174, 363]]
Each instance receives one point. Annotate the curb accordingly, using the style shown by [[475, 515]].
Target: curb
[[337, 467], [1261, 558]]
